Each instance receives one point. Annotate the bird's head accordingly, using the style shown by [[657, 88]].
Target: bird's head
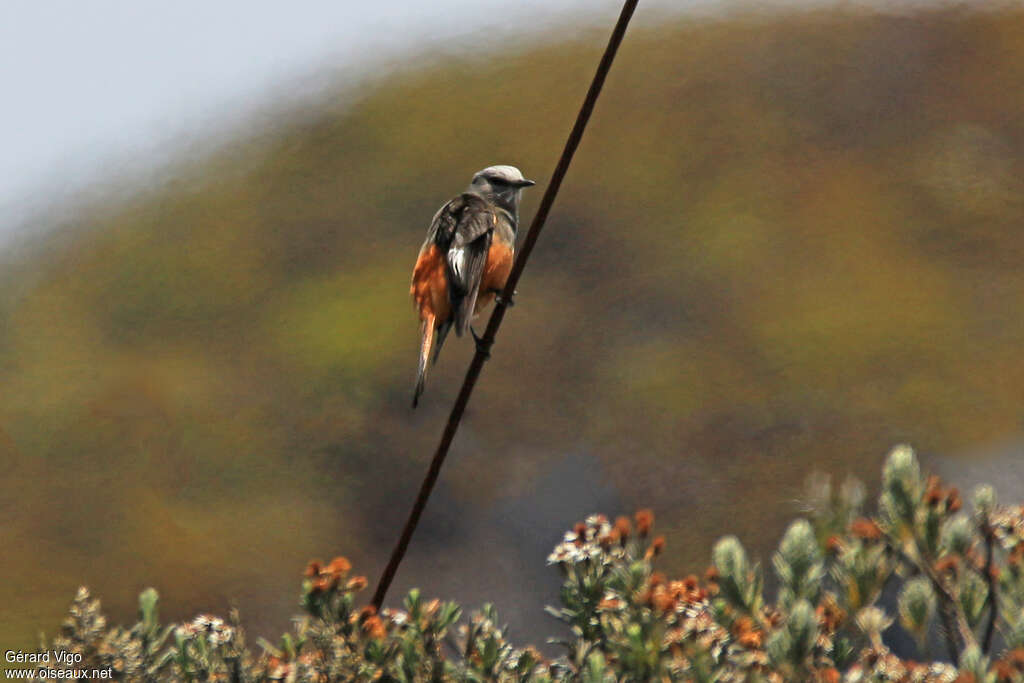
[[502, 185]]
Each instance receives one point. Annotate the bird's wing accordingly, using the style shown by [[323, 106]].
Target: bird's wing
[[471, 221], [442, 227]]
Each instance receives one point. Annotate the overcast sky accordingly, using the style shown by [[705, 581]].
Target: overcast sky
[[97, 89]]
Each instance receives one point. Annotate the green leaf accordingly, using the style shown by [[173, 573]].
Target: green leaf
[[149, 613], [595, 668], [917, 604], [957, 536], [973, 596], [972, 661], [735, 577], [902, 488], [984, 501], [799, 564]]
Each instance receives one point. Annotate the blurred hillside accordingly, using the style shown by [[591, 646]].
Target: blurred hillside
[[788, 242]]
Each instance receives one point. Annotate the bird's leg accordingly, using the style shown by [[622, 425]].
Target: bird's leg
[[507, 303], [481, 347]]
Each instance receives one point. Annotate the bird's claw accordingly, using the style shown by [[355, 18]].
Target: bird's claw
[[509, 302]]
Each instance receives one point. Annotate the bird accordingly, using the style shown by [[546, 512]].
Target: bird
[[465, 259]]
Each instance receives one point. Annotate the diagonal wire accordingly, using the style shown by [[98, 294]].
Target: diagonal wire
[[483, 347]]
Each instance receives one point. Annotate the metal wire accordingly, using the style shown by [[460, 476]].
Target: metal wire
[[501, 303]]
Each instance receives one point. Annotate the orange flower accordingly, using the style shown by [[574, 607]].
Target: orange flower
[[1003, 671], [833, 545], [711, 578], [644, 521], [953, 500], [688, 589], [1015, 658], [947, 563], [356, 583], [374, 628], [609, 539], [339, 565], [326, 578], [746, 633], [663, 602], [866, 529], [829, 675], [742, 625], [830, 614], [623, 527]]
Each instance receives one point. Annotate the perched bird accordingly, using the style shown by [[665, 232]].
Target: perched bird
[[465, 259]]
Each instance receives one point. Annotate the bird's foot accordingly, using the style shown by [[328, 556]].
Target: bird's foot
[[482, 347], [509, 302]]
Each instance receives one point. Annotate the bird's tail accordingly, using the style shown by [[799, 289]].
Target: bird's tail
[[426, 342]]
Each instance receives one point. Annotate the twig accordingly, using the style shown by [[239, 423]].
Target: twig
[[952, 604], [950, 634], [993, 601], [483, 348]]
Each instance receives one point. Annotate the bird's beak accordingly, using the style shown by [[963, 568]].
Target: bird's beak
[[525, 183]]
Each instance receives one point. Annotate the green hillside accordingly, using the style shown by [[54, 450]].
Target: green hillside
[[788, 242]]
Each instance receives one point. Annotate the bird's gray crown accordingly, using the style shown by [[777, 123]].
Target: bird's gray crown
[[510, 174], [501, 185]]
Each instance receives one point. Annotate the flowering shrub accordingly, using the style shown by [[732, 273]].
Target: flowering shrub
[[953, 581]]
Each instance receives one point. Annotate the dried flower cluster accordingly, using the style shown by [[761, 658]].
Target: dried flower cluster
[[850, 582]]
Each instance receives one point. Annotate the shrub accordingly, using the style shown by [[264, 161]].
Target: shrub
[[845, 579]]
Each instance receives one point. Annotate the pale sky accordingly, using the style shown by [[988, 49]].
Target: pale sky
[[94, 90]]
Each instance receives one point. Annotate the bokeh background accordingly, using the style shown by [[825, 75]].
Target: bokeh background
[[791, 239]]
